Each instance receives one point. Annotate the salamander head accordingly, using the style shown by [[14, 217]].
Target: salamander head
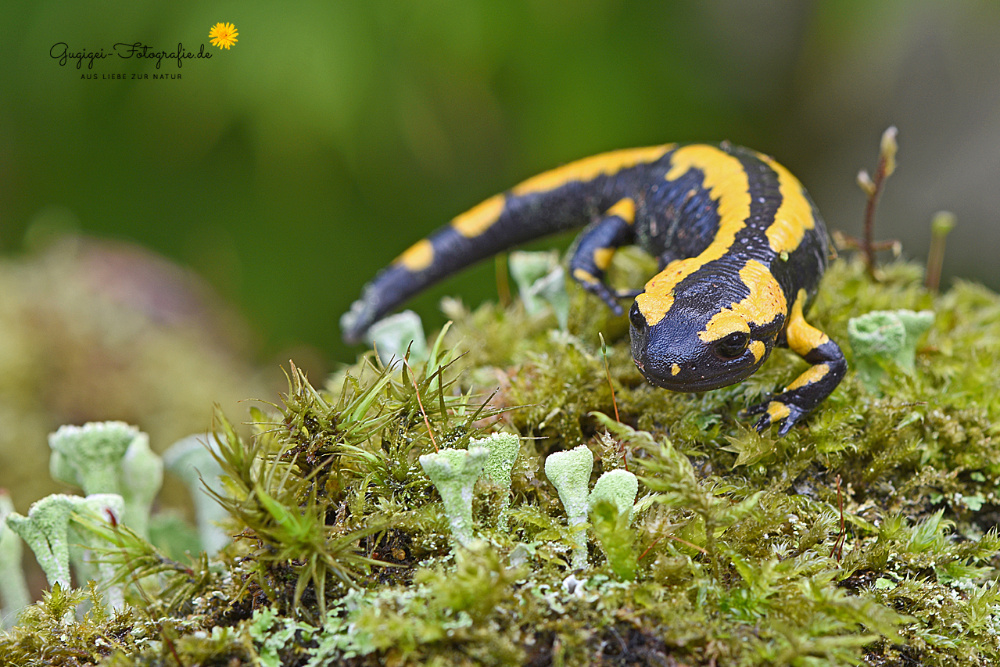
[[704, 336]]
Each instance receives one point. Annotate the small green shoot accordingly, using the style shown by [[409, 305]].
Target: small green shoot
[[941, 225]]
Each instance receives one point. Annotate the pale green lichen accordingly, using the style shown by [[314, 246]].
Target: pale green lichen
[[46, 530], [396, 335], [274, 634], [141, 479], [110, 457], [503, 448], [191, 460], [619, 487], [13, 586], [90, 456], [541, 281], [569, 473], [881, 337], [454, 473], [612, 503]]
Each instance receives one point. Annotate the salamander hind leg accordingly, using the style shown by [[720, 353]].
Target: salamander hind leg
[[811, 387], [596, 246]]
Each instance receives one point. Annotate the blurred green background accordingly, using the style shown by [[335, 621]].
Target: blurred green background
[[287, 170]]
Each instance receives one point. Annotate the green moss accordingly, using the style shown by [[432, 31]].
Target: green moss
[[865, 536], [48, 634]]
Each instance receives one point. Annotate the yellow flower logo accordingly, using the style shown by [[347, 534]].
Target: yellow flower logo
[[223, 35]]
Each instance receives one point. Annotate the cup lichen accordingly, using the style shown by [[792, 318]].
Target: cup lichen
[[883, 336], [191, 460], [454, 473], [46, 531], [619, 487], [569, 472], [109, 457], [503, 448], [400, 335], [541, 281]]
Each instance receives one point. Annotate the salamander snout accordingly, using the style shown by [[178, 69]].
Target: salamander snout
[[671, 354]]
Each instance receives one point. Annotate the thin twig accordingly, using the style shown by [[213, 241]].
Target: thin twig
[[873, 186], [607, 372], [838, 545], [427, 422]]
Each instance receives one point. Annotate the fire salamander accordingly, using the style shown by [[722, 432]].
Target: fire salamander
[[741, 249]]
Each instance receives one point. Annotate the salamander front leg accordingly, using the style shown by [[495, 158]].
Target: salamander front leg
[[596, 246], [811, 387]]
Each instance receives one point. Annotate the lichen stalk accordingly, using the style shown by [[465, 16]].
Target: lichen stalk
[[454, 473], [569, 472]]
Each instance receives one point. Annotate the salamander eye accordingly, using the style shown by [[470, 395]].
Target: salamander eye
[[636, 317], [732, 345]]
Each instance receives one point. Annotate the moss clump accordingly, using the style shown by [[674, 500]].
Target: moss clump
[[865, 536]]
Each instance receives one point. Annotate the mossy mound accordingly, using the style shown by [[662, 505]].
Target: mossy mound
[[865, 536]]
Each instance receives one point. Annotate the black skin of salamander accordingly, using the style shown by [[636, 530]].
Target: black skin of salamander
[[671, 219]]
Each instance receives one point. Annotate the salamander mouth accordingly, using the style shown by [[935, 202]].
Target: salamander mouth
[[688, 377], [691, 384]]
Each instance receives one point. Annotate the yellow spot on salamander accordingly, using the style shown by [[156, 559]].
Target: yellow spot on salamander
[[418, 256], [725, 322], [479, 218], [584, 276], [675, 369], [794, 217], [809, 376], [725, 179], [590, 168], [803, 338], [757, 348], [624, 209], [602, 258], [727, 184], [763, 305], [777, 411]]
